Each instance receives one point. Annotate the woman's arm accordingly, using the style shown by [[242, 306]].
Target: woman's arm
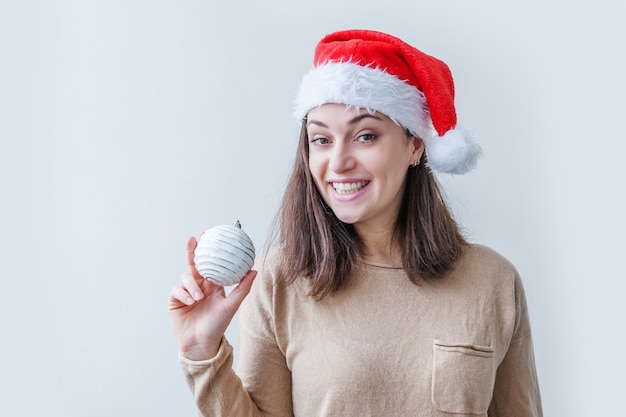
[[199, 313], [263, 386], [516, 392]]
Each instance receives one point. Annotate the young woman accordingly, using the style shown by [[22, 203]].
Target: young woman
[[371, 303]]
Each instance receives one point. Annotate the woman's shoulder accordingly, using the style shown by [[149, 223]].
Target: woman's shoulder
[[481, 263], [481, 255]]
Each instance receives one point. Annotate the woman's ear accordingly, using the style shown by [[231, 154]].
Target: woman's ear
[[417, 150]]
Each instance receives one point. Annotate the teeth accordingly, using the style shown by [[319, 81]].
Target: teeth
[[348, 187]]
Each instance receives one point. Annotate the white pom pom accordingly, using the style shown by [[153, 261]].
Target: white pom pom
[[456, 152], [224, 254]]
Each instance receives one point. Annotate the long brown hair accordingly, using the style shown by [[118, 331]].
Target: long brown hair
[[317, 246]]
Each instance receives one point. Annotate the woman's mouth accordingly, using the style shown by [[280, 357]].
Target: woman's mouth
[[345, 188]]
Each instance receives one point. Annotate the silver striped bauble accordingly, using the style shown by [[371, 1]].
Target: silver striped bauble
[[224, 254]]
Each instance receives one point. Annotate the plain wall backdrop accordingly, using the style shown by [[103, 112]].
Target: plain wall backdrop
[[127, 126]]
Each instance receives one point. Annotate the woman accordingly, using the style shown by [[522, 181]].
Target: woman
[[372, 303]]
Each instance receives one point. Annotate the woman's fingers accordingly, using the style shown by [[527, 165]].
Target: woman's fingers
[[188, 292], [180, 297], [192, 242], [237, 295], [192, 285]]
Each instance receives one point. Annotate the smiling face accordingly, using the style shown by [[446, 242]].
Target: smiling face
[[359, 163]]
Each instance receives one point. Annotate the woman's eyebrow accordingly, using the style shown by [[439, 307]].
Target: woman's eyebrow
[[363, 116], [315, 122]]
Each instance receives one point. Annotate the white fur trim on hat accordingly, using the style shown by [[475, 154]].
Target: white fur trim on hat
[[364, 87], [373, 89]]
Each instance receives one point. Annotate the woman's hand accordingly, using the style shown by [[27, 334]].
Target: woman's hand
[[200, 311]]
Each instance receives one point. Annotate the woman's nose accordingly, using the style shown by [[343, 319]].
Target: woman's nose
[[341, 159]]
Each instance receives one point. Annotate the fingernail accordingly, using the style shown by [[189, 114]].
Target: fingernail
[[197, 295], [189, 300]]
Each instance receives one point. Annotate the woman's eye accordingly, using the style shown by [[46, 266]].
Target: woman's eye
[[367, 137], [319, 141]]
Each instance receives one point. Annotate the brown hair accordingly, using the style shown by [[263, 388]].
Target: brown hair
[[319, 247]]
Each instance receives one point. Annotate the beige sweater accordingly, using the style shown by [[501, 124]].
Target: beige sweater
[[383, 346]]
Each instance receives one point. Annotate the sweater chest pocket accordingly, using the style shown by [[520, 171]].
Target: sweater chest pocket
[[463, 377]]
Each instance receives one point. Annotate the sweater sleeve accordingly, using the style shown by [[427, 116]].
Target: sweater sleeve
[[215, 386], [516, 392]]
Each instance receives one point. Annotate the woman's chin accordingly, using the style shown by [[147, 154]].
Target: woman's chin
[[347, 218]]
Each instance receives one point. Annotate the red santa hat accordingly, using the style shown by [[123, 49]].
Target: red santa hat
[[379, 72]]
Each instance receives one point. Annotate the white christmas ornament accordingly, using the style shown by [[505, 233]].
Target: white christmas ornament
[[224, 254]]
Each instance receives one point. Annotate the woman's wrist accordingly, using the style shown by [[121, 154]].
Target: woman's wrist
[[201, 352]]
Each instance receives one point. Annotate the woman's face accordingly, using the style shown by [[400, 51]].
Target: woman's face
[[359, 162]]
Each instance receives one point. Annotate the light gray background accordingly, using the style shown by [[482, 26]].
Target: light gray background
[[127, 126]]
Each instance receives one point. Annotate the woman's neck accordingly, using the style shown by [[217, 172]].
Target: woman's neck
[[379, 247]]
